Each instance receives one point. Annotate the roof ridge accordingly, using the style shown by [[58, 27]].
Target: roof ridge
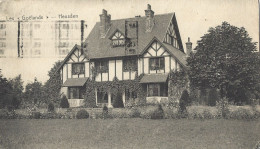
[[171, 13]]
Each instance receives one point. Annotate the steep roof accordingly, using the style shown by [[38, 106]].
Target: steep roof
[[101, 47]]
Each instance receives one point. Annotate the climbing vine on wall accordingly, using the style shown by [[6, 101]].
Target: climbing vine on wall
[[113, 87], [178, 81]]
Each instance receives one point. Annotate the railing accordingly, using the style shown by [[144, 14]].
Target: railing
[[157, 99], [76, 102]]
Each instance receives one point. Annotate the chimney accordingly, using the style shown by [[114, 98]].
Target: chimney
[[105, 23], [188, 47], [149, 23]]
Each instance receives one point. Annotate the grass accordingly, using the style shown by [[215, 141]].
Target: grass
[[129, 133]]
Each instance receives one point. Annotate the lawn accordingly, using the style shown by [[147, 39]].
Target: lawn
[[129, 133]]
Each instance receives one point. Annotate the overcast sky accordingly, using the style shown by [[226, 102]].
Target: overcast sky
[[194, 17]]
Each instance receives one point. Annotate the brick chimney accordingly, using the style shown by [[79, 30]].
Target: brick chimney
[[188, 47], [149, 23], [105, 23]]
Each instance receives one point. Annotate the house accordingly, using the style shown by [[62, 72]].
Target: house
[[147, 47]]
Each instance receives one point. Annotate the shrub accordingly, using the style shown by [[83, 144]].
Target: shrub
[[51, 115], [223, 107], [50, 107], [158, 113], [64, 103], [118, 103], [130, 103], [213, 97], [82, 114], [184, 101], [140, 102], [35, 115], [105, 112], [5, 114]]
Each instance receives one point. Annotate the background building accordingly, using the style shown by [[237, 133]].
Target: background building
[[31, 48]]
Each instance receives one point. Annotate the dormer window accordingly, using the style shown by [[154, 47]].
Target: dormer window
[[118, 39]]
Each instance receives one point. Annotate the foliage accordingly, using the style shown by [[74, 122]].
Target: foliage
[[223, 107], [35, 115], [242, 113], [50, 107], [105, 112], [178, 81], [64, 103], [213, 97], [184, 101], [53, 85], [34, 94], [82, 114], [158, 113], [10, 92], [114, 87], [118, 102], [225, 59]]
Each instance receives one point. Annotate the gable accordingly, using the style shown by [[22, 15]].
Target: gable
[[155, 49], [77, 56], [74, 56], [117, 35], [172, 36]]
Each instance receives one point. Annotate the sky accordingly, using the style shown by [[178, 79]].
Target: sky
[[194, 17]]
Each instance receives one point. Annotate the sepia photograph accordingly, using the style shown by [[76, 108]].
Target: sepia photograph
[[99, 74]]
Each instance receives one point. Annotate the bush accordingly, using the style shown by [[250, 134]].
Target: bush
[[5, 114], [36, 115], [50, 107], [184, 101], [213, 97], [51, 115], [82, 114], [64, 103], [158, 113], [118, 103], [105, 112], [223, 107]]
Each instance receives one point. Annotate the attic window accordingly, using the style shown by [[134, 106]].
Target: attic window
[[171, 37], [118, 39]]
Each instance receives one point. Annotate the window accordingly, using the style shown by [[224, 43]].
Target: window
[[2, 26], [65, 26], [157, 90], [130, 64], [78, 68], [130, 94], [2, 44], [157, 63], [102, 97], [63, 44], [37, 26], [153, 89], [101, 66], [118, 39], [2, 52], [37, 44], [76, 93], [171, 37]]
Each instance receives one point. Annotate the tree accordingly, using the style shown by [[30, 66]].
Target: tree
[[5, 91], [53, 85], [17, 91], [225, 59], [34, 95]]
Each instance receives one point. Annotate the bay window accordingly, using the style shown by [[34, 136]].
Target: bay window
[[76, 92]]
